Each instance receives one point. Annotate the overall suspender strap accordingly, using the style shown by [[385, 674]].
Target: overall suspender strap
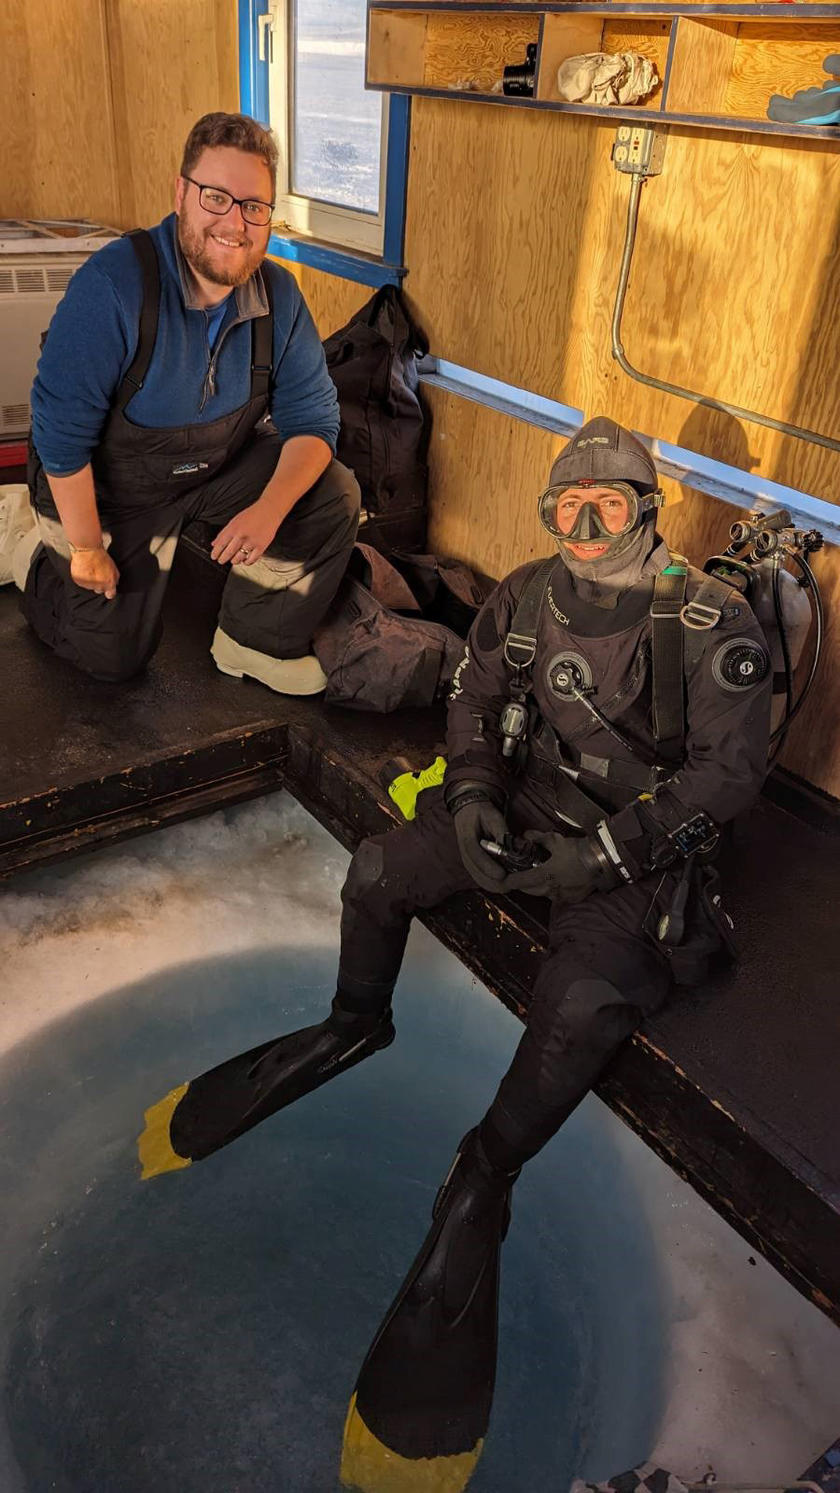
[[147, 255], [262, 347], [667, 659]]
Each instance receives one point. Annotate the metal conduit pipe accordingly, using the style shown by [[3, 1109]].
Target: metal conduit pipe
[[801, 434]]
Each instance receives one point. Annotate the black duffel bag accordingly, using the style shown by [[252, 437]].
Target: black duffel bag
[[377, 649], [384, 427]]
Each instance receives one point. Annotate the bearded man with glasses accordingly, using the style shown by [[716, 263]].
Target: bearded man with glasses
[[183, 378]]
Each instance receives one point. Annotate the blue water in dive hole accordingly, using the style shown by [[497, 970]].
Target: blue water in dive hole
[[202, 1332]]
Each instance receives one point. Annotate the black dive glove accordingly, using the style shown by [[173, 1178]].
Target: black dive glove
[[574, 868], [478, 818]]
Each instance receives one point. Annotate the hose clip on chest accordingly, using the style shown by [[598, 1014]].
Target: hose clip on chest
[[513, 724], [520, 652]]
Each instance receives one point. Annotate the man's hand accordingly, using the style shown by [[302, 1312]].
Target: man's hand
[[574, 869], [476, 821], [247, 536], [94, 570]]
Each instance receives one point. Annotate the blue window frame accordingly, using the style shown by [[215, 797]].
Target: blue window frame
[[350, 264]]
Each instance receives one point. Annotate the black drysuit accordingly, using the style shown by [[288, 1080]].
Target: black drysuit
[[603, 973]]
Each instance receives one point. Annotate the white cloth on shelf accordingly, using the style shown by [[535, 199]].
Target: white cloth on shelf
[[606, 78]]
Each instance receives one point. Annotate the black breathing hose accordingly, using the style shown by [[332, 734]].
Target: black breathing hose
[[610, 726], [791, 710], [779, 734], [814, 587]]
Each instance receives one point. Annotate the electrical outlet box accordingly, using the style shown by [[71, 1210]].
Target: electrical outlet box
[[638, 149]]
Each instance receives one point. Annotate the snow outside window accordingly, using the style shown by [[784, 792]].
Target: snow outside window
[[331, 132]]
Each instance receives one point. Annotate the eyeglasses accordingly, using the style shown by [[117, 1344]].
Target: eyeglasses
[[215, 200]]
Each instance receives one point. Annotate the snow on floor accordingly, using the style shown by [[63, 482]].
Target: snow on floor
[[203, 1331]]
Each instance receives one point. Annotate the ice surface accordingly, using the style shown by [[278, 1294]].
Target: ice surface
[[203, 1331]]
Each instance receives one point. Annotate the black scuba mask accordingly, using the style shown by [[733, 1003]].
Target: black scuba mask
[[610, 519]]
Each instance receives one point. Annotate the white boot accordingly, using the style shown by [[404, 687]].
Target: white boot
[[288, 676], [16, 522]]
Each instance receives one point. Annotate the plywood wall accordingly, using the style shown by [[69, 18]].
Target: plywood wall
[[99, 96], [331, 300], [58, 146], [515, 228], [170, 63]]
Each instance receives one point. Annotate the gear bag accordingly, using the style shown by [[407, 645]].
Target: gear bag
[[384, 427], [376, 647]]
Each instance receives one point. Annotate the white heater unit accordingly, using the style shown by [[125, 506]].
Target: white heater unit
[[37, 261]]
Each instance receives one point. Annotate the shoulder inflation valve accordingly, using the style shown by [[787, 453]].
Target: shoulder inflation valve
[[740, 664]]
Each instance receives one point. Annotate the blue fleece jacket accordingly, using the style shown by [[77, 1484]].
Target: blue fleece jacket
[[93, 338]]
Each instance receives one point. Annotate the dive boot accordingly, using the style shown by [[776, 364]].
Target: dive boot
[[421, 1406], [200, 1117]]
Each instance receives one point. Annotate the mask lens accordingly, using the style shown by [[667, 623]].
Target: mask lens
[[611, 510], [586, 512]]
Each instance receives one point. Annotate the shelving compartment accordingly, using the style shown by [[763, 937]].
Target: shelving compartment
[[446, 50], [570, 35], [729, 69]]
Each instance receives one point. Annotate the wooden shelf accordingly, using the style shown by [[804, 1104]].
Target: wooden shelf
[[718, 64]]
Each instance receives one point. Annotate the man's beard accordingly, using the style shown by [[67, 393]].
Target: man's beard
[[198, 255]]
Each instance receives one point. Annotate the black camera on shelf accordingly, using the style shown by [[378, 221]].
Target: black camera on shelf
[[519, 78]]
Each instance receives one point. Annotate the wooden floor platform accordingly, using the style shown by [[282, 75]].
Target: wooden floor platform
[[737, 1085]]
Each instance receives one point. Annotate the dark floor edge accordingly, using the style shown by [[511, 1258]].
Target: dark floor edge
[[802, 799], [66, 821], [159, 813]]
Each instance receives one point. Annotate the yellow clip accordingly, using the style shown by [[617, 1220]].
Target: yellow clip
[[403, 791]]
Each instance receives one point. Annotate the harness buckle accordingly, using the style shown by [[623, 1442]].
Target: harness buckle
[[698, 616], [665, 607], [517, 643]]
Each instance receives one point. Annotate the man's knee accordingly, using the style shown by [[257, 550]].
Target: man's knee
[[115, 654], [389, 878], [364, 879], [579, 1008], [591, 1008], [339, 494]]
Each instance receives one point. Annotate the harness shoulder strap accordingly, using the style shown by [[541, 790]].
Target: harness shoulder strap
[[521, 641], [667, 659], [703, 613], [262, 346], [144, 248], [704, 610]]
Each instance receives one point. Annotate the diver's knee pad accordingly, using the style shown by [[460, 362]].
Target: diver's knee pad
[[365, 874]]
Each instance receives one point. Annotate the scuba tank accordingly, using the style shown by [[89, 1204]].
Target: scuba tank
[[785, 605]]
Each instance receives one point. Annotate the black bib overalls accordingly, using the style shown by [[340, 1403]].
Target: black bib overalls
[[149, 482]]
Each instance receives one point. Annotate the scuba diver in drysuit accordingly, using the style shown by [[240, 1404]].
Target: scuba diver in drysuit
[[610, 713]]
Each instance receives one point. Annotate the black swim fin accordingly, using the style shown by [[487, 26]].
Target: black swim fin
[[421, 1407], [200, 1117]]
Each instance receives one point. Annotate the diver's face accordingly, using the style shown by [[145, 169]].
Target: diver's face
[[613, 510]]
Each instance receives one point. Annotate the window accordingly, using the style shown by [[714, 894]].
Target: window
[[332, 133]]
